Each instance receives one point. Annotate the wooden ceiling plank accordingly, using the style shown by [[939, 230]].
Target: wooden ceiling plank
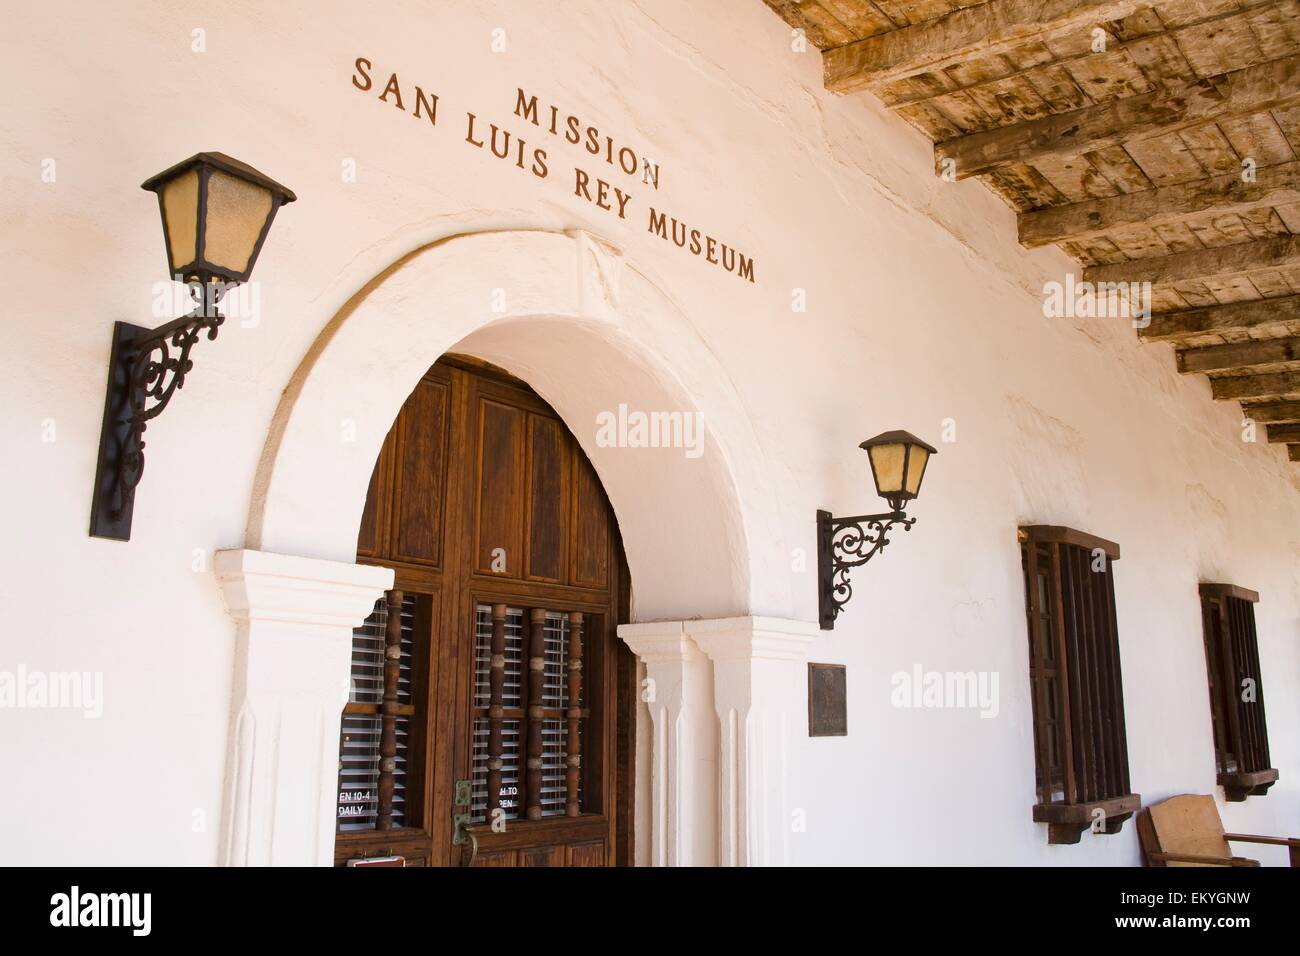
[[1273, 185], [861, 17], [1217, 47], [1232, 288], [1120, 170], [835, 32], [1140, 244], [1264, 223], [1220, 358], [1270, 283], [1108, 76], [1221, 229], [1257, 138], [1195, 294], [1172, 107], [977, 31], [1277, 28], [1211, 149], [1238, 316], [1179, 13], [1076, 178], [1244, 257], [1165, 160], [1177, 236]]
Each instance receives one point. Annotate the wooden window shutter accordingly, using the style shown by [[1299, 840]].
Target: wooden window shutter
[[1077, 693], [1232, 669]]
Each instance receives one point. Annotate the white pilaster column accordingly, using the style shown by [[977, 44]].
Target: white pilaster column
[[683, 744], [760, 693], [294, 619]]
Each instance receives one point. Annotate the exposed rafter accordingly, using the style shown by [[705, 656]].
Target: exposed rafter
[[1271, 412], [1238, 259], [1233, 317], [1270, 385], [1272, 186], [987, 29], [1166, 109], [1238, 355], [1289, 434]]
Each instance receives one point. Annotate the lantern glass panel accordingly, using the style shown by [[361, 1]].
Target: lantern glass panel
[[180, 205], [916, 469], [237, 211], [887, 465]]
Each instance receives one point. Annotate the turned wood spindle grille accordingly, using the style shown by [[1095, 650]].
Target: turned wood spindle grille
[[375, 730], [528, 713]]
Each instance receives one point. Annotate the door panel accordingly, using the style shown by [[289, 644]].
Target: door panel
[[486, 507], [501, 488], [421, 477]]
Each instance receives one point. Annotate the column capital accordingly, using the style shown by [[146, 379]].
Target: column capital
[[660, 642], [752, 638], [261, 586]]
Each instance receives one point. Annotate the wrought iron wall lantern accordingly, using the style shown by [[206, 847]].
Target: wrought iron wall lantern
[[216, 212], [898, 461]]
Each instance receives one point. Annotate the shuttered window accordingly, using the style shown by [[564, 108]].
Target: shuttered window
[[373, 770], [1080, 747], [528, 713], [1237, 719]]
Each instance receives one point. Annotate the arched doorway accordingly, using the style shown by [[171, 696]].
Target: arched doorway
[[491, 711], [711, 601]]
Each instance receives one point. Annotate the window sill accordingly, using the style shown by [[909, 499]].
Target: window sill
[[1238, 786], [1067, 821]]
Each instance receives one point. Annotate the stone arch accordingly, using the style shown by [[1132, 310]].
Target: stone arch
[[564, 312]]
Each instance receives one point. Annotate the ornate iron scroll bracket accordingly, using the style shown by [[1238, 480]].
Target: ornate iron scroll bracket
[[843, 544], [146, 368]]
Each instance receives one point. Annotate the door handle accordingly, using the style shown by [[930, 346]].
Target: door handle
[[461, 834]]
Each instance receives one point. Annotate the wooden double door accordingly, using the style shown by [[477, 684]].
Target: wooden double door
[[491, 711]]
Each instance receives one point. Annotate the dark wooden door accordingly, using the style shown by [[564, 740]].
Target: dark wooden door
[[508, 683]]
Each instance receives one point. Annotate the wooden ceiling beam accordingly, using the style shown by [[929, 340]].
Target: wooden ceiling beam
[[1276, 185], [1233, 317], [1220, 358], [1168, 108], [1236, 259], [1271, 412], [985, 30], [1284, 434], [1270, 385]]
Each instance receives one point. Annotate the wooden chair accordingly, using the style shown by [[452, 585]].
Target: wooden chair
[[1186, 831]]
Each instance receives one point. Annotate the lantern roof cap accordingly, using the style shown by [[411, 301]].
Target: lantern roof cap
[[898, 436], [226, 164]]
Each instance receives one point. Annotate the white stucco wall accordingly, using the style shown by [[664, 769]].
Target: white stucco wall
[[921, 308]]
